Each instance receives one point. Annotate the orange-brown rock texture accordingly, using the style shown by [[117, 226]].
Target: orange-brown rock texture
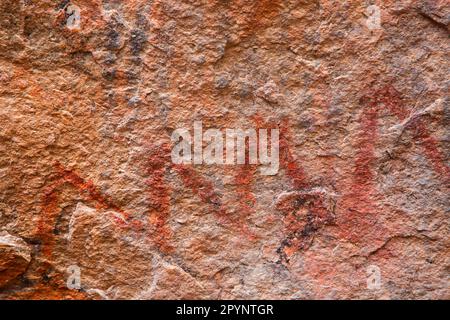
[[93, 207]]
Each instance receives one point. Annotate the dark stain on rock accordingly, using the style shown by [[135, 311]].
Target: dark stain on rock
[[62, 5], [113, 39], [138, 39], [109, 75], [304, 214]]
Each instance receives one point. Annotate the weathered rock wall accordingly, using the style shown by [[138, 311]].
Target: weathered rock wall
[[92, 206]]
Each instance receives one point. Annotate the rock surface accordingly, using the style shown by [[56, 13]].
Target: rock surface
[[91, 206], [15, 255]]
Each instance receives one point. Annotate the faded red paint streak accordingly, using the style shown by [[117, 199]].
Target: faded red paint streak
[[45, 226], [359, 220], [201, 187], [92, 193], [359, 223], [50, 207], [159, 196], [303, 213], [205, 190], [294, 171], [244, 196], [431, 150], [243, 180], [49, 212], [365, 158], [392, 99]]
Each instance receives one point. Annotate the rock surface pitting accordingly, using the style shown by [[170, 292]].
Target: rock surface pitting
[[88, 106]]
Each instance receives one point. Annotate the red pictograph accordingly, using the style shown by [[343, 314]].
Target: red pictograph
[[305, 209]]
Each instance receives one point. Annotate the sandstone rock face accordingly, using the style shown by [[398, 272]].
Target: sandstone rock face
[[14, 259], [93, 207]]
